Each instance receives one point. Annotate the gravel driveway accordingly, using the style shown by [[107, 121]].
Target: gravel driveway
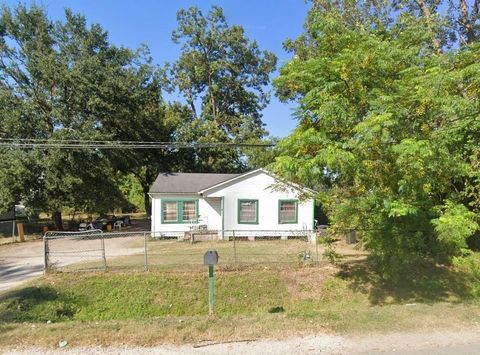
[[20, 262], [459, 341]]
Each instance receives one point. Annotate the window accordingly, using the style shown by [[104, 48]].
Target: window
[[248, 211], [170, 211], [189, 211], [179, 211], [287, 211]]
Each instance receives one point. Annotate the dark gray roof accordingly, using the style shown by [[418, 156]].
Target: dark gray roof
[[187, 182]]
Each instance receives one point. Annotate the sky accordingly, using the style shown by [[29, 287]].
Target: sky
[[134, 22]]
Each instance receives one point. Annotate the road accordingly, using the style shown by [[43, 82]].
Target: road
[[441, 342]]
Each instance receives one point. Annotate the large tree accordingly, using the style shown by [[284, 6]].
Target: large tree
[[222, 76], [388, 129], [65, 80]]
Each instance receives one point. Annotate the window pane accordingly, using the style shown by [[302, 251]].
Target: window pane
[[248, 211], [170, 213], [287, 211], [189, 211]]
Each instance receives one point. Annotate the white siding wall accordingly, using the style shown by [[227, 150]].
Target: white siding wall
[[258, 187]]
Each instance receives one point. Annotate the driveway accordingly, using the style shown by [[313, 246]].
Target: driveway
[[20, 262]]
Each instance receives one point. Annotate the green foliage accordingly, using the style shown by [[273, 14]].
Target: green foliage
[[65, 80], [470, 264], [133, 191], [223, 76], [388, 130], [327, 240], [455, 225]]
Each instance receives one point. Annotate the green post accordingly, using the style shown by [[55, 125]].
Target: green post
[[210, 258], [210, 290]]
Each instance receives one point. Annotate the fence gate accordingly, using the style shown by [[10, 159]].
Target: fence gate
[[85, 249]]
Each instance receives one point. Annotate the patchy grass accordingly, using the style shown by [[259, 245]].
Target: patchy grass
[[127, 253], [168, 306]]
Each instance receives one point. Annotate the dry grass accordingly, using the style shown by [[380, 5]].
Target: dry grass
[[127, 253]]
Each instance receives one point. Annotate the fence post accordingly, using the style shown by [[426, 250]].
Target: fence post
[[146, 250], [13, 231], [45, 254], [317, 239], [234, 248], [103, 253]]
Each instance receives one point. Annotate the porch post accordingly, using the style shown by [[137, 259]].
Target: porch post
[[223, 217]]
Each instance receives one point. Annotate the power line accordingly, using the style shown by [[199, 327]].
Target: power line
[[35, 143]]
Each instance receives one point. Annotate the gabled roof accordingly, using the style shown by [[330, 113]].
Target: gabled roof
[[203, 183], [187, 182]]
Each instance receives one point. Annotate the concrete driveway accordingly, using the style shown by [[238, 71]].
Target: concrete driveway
[[20, 262]]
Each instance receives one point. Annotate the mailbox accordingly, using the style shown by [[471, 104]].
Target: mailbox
[[210, 257]]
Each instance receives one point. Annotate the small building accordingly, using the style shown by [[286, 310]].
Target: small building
[[253, 204]]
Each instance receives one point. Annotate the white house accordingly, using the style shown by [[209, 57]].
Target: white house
[[251, 204]]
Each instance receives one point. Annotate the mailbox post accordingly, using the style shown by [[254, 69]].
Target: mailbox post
[[210, 259]]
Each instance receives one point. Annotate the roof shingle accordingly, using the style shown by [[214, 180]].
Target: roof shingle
[[187, 182]]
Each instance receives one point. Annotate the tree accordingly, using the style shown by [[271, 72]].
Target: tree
[[64, 80], [388, 131], [222, 75], [138, 113]]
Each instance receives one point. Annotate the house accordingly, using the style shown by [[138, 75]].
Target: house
[[252, 204]]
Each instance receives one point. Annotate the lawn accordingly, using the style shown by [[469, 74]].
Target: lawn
[[254, 301], [128, 253]]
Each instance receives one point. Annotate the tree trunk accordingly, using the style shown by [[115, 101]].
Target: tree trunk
[[148, 207], [57, 220], [428, 18], [466, 22]]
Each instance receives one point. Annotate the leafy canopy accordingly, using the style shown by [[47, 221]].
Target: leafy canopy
[[388, 131]]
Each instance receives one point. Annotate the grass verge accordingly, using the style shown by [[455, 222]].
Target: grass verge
[[170, 307]]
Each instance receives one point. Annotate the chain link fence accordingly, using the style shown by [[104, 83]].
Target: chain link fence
[[7, 229], [177, 250]]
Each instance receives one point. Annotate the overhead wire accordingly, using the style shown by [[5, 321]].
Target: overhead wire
[[36, 143]]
